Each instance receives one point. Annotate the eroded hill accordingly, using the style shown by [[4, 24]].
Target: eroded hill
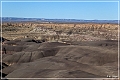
[[47, 50], [60, 32]]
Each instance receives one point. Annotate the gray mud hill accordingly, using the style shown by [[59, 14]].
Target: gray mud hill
[[28, 58]]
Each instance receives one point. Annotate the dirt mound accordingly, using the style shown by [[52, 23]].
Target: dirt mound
[[102, 43], [51, 45], [88, 55], [52, 67], [60, 60], [28, 50]]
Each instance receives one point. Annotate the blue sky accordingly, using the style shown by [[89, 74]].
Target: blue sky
[[61, 10]]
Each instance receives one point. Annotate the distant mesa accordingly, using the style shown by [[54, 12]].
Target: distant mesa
[[14, 19]]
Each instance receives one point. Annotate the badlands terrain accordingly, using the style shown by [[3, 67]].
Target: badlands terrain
[[59, 50]]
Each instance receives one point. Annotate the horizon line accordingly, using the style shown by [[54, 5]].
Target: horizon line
[[57, 18]]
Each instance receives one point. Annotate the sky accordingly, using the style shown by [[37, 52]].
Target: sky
[[61, 10]]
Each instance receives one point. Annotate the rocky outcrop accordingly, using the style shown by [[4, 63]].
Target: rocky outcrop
[[50, 31]]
